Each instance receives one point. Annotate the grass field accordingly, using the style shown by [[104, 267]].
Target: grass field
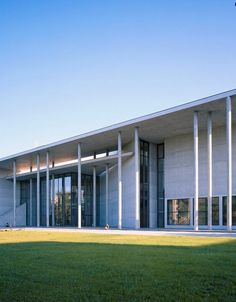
[[55, 266]]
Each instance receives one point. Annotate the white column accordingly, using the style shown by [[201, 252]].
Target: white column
[[14, 193], [79, 185], [229, 162], [119, 181], [53, 200], [38, 190], [209, 151], [137, 178], [47, 189], [94, 195], [31, 203], [195, 125], [107, 192]]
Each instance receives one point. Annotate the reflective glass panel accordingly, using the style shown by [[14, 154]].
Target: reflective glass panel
[[178, 211]]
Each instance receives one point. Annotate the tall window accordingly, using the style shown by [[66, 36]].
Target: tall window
[[202, 211], [144, 184], [215, 211], [160, 186], [58, 201], [178, 211], [233, 210], [87, 200]]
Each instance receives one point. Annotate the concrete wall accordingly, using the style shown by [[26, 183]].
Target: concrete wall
[[113, 198], [179, 164], [6, 196], [20, 216], [6, 204], [128, 205]]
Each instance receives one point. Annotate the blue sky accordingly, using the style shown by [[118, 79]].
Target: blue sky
[[67, 67]]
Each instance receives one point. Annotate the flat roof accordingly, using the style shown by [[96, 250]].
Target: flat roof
[[154, 127]]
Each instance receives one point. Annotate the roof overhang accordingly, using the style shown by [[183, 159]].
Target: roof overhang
[[153, 127]]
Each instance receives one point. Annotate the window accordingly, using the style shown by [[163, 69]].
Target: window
[[160, 186], [233, 210], [202, 211], [215, 211], [178, 211], [144, 184]]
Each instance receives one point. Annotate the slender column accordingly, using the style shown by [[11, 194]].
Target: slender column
[[137, 177], [107, 192], [209, 144], [229, 162], [38, 190], [195, 124], [30, 203], [79, 185], [47, 189], [53, 200], [119, 181], [94, 195], [14, 193]]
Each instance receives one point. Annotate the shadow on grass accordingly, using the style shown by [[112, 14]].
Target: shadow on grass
[[69, 271]]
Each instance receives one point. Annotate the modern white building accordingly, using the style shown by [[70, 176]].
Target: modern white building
[[171, 169]]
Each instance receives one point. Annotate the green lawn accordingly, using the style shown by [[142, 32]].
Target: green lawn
[[53, 266]]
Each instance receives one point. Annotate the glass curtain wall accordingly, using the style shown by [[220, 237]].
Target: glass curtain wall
[[43, 201], [160, 187], [66, 200], [63, 199], [87, 200], [144, 184]]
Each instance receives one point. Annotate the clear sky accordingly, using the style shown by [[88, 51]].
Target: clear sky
[[67, 67]]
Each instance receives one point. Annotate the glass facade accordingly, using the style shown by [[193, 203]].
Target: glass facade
[[64, 204], [43, 201], [144, 184], [63, 200], [178, 211], [233, 210], [87, 200], [160, 187]]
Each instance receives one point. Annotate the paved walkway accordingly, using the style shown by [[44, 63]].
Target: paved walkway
[[146, 232]]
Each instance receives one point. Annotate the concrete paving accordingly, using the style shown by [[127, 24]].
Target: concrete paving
[[145, 232]]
